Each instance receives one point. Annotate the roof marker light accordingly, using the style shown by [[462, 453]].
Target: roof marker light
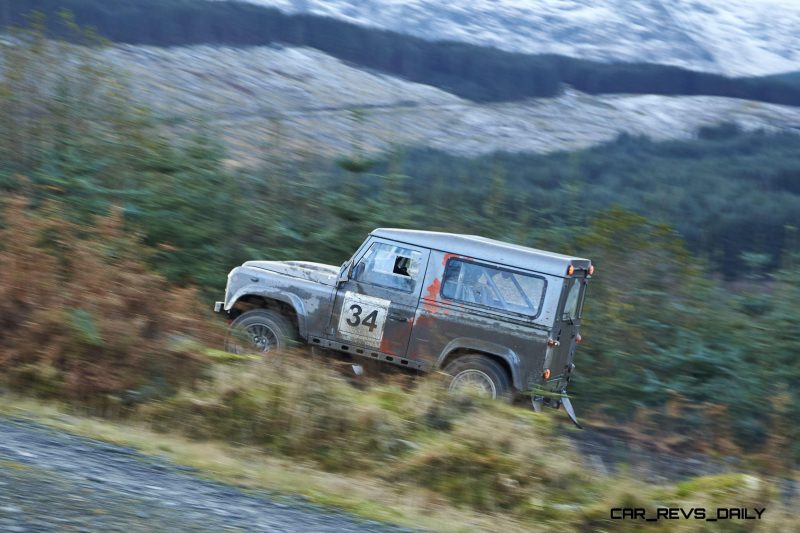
[[546, 373], [591, 270], [570, 270]]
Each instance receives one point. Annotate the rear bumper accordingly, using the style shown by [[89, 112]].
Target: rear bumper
[[557, 384]]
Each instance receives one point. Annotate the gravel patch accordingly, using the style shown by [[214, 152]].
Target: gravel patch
[[51, 480]]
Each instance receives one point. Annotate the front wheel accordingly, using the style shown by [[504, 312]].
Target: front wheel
[[478, 374], [260, 331]]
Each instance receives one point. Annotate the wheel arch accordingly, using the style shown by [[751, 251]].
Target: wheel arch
[[288, 304], [506, 357]]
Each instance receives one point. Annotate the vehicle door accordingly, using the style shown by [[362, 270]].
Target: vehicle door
[[567, 326], [374, 309]]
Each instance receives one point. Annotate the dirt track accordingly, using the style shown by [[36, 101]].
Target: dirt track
[[56, 481]]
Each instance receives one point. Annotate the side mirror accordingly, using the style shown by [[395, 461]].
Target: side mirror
[[344, 273]]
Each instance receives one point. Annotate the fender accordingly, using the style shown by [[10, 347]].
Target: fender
[[478, 345], [274, 294]]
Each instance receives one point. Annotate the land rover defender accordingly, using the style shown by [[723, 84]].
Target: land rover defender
[[497, 317]]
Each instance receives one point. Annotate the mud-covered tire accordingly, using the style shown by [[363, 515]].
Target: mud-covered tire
[[480, 372], [260, 331]]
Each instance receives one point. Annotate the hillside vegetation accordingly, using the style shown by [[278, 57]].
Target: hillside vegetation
[[473, 72], [668, 344]]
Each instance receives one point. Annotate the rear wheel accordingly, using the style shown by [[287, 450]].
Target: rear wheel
[[478, 374], [259, 331]]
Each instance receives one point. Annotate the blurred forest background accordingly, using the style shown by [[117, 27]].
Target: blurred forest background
[[116, 237]]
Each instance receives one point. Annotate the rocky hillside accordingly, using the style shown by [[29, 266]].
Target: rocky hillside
[[306, 101], [734, 37]]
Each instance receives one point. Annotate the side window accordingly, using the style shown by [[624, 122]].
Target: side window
[[391, 266], [493, 287]]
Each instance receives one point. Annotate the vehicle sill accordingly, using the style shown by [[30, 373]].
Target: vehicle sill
[[380, 356]]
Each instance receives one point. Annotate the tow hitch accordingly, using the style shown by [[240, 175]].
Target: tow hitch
[[537, 402]]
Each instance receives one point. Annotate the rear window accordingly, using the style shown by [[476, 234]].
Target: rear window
[[571, 304], [493, 287]]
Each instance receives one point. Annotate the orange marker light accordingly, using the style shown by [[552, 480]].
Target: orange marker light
[[546, 373], [570, 270]]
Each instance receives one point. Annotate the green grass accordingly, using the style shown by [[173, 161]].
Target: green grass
[[409, 455], [243, 466]]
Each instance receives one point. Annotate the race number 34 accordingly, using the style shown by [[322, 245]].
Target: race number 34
[[368, 321], [362, 318]]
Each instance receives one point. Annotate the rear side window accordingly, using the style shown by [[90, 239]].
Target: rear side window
[[493, 287]]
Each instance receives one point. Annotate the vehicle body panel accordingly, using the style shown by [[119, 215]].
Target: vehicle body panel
[[443, 326], [316, 272], [291, 284]]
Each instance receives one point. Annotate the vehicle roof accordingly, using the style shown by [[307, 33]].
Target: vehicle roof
[[490, 250]]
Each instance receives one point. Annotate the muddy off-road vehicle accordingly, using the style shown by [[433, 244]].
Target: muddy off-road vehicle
[[496, 317]]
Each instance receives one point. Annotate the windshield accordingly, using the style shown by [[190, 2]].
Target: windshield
[[571, 305]]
